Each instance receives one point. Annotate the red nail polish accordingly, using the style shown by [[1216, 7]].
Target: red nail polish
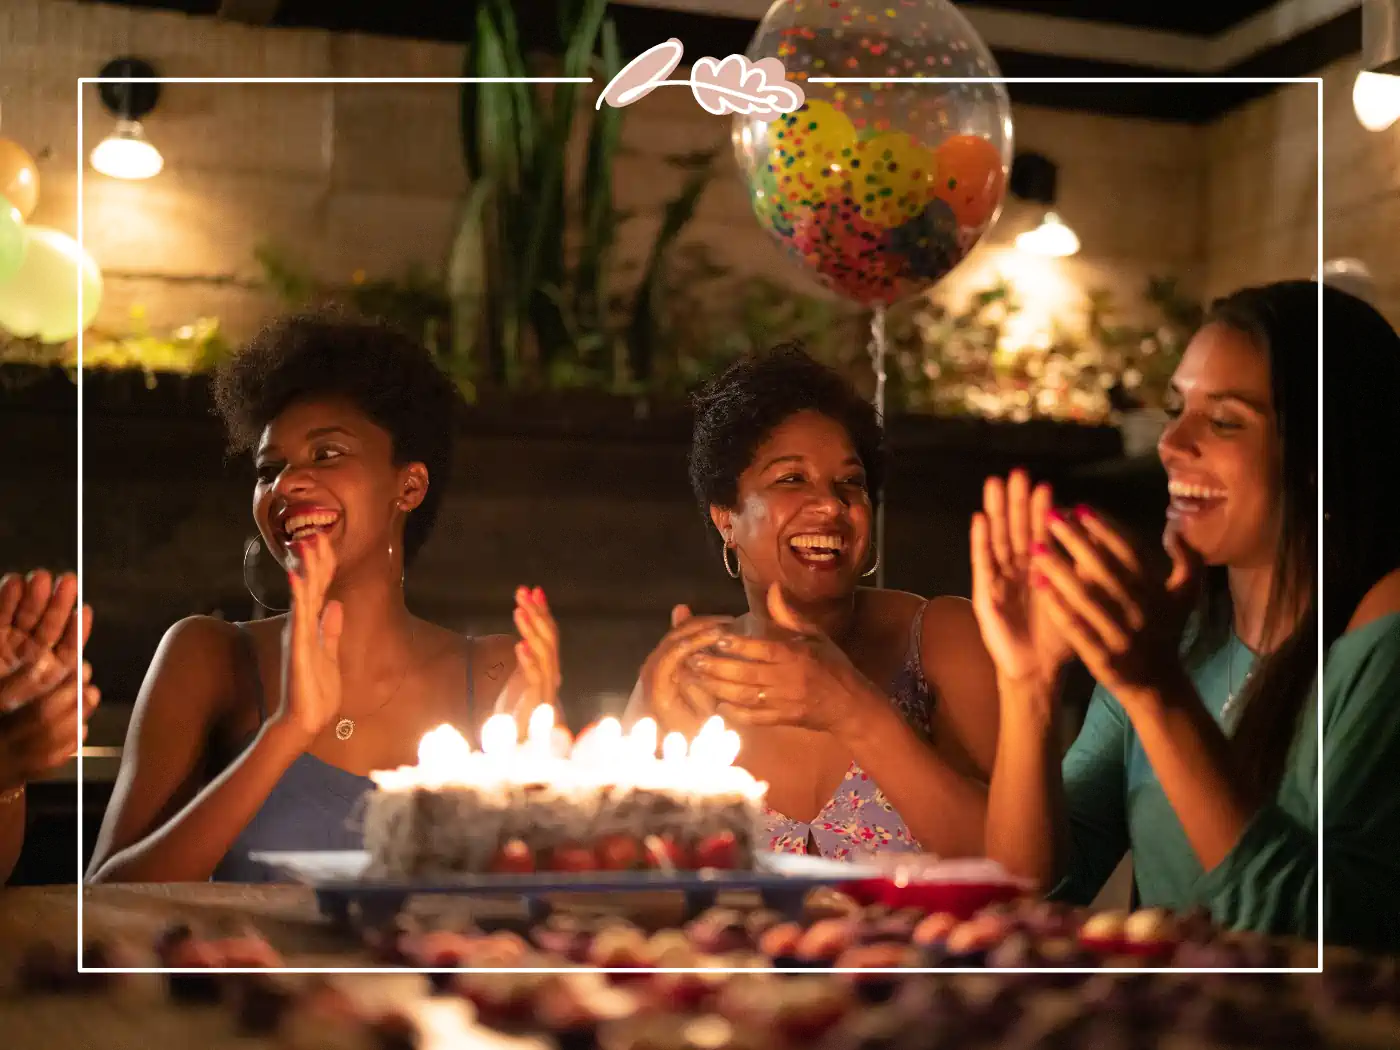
[[1038, 579], [1083, 513], [539, 595], [1039, 548], [1055, 514]]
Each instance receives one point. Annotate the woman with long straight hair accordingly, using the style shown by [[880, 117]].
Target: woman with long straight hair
[[1199, 752]]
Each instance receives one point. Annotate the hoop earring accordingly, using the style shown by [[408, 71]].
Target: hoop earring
[[734, 572], [402, 570], [871, 571], [250, 568]]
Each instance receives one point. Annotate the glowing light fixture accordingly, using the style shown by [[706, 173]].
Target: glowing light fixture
[[126, 153], [1033, 179], [1052, 237], [1376, 99]]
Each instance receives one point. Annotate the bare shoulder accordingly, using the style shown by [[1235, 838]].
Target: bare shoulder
[[494, 655], [194, 668], [950, 640], [200, 640], [1383, 599], [950, 617], [958, 667], [891, 612]]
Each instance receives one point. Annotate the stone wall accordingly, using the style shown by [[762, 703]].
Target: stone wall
[[368, 177], [1261, 205]]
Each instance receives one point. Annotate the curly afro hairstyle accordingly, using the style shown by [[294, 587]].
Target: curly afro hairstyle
[[736, 412], [391, 379]]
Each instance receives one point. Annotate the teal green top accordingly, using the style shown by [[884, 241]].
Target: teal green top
[[1269, 881]]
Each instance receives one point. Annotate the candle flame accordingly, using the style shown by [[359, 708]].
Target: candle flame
[[442, 749], [561, 742], [642, 739], [602, 754], [500, 735], [541, 724], [673, 748]]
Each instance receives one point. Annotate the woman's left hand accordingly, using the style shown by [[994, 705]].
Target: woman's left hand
[[799, 677], [1124, 620], [537, 676]]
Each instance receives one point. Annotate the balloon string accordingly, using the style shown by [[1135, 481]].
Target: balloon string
[[879, 347]]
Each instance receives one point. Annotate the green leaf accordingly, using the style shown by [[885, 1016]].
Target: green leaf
[[468, 272], [646, 308], [600, 217]]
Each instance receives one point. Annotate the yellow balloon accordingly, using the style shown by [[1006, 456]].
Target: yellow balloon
[[19, 178], [892, 178], [805, 157], [41, 299]]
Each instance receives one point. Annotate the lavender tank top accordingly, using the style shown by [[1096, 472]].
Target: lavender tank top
[[858, 819], [314, 806]]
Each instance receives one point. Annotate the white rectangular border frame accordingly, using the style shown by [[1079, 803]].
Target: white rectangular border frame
[[1196, 81]]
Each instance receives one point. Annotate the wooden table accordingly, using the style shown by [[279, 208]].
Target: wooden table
[[286, 915], [141, 1018]]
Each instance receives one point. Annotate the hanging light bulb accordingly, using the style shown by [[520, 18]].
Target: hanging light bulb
[[126, 153], [1376, 99], [1052, 237]]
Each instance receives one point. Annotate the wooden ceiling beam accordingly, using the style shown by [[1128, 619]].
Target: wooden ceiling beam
[[250, 12]]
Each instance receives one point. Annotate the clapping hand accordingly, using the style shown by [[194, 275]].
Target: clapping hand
[[537, 676], [1124, 620], [1017, 630], [36, 617], [794, 675], [40, 681], [311, 641], [674, 700]]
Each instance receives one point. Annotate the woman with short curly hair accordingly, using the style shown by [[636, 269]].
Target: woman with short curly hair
[[260, 736], [872, 714]]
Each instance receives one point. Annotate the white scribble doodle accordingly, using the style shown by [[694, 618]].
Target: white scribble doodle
[[731, 85], [736, 85]]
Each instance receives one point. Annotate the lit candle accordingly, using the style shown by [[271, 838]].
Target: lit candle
[[642, 739], [443, 754], [561, 742], [538, 735], [602, 756], [673, 748], [499, 736]]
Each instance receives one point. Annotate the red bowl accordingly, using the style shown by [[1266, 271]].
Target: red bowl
[[958, 887], [962, 899]]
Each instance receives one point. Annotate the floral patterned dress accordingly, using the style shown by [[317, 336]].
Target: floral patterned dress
[[859, 820]]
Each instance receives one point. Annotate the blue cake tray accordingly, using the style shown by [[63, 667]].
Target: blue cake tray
[[345, 894]]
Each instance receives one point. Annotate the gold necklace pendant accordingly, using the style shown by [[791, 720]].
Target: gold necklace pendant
[[344, 729]]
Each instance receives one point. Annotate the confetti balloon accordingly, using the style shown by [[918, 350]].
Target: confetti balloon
[[880, 188]]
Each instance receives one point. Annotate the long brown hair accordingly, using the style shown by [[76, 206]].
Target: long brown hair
[[1362, 543]]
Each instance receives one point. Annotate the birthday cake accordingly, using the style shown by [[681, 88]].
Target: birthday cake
[[606, 802]]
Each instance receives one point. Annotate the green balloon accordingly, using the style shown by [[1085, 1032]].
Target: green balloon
[[11, 239], [41, 299]]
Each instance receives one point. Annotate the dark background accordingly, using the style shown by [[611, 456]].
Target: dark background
[[578, 496]]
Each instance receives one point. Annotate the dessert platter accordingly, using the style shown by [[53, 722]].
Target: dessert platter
[[532, 818], [888, 954], [730, 979]]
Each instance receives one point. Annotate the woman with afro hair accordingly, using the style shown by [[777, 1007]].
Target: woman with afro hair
[[260, 736], [871, 714]]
